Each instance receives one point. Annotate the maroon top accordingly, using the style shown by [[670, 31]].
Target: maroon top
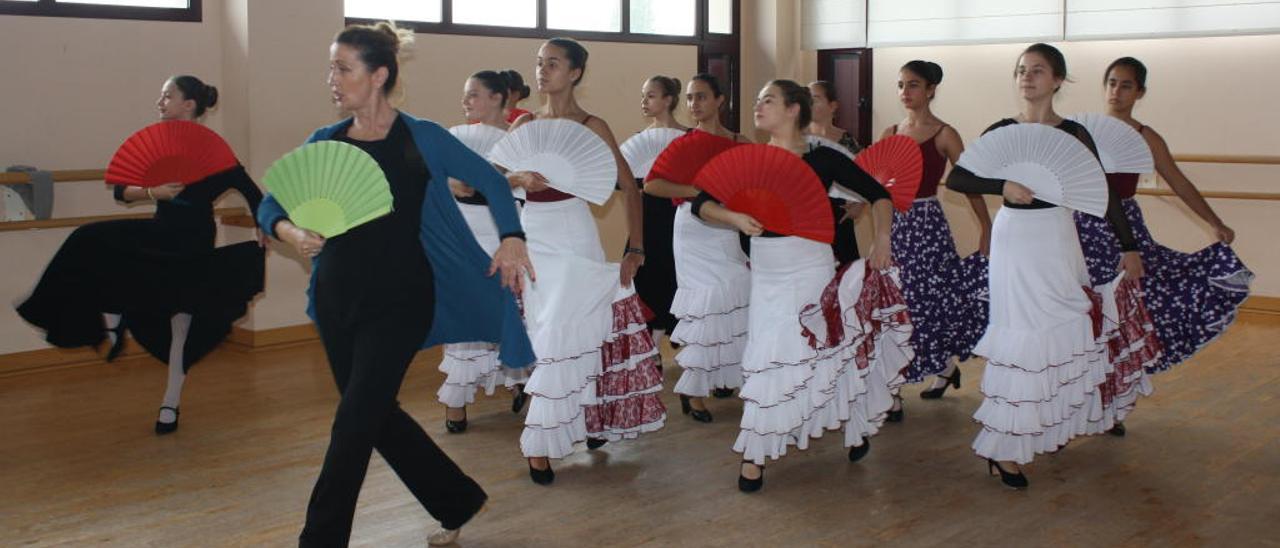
[[1126, 184], [934, 164]]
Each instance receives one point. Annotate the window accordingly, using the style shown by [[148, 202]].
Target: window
[[498, 13], [152, 10], [672, 17], [690, 22], [720, 16], [591, 15], [426, 11]]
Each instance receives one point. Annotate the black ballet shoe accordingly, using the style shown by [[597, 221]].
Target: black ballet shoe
[[163, 428], [895, 415], [118, 346], [542, 477], [750, 485], [936, 393], [595, 443], [858, 451], [701, 415], [722, 393], [518, 399], [455, 427], [1014, 481], [1117, 430]]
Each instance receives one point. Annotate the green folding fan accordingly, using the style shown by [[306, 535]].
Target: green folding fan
[[329, 187]]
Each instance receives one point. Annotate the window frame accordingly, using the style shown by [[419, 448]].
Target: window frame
[[193, 13], [540, 30]]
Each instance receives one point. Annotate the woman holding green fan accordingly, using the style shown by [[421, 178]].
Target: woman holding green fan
[[385, 288]]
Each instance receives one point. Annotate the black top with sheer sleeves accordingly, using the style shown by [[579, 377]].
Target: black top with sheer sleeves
[[963, 180], [831, 168]]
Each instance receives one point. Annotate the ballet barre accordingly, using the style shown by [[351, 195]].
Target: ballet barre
[[1227, 159], [59, 176], [1221, 194], [231, 216]]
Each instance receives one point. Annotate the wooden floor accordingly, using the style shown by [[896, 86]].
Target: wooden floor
[[79, 465]]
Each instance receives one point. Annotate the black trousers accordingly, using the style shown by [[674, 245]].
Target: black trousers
[[369, 359]]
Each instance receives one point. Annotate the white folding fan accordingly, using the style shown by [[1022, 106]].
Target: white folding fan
[[573, 158], [1120, 147], [643, 148], [825, 142], [1058, 168], [480, 138]]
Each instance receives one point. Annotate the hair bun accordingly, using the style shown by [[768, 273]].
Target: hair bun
[[937, 72], [400, 37], [211, 96]]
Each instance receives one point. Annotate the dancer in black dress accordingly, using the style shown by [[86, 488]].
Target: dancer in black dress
[[656, 280], [160, 279], [377, 288]]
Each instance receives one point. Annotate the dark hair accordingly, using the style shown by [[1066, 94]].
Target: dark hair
[[515, 82], [711, 81], [205, 96], [574, 52], [379, 46], [1056, 60], [828, 89], [1139, 71], [928, 70], [670, 88], [796, 94], [495, 83]]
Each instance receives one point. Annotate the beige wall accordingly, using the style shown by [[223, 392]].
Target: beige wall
[[82, 85]]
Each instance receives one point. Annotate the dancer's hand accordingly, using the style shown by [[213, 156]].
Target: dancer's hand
[[512, 260], [851, 211], [308, 243], [1225, 234], [166, 192], [1131, 265], [1015, 193], [745, 223], [631, 263], [881, 253], [531, 181], [261, 237]]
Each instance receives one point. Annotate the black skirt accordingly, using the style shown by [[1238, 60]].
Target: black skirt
[[656, 280], [146, 271]]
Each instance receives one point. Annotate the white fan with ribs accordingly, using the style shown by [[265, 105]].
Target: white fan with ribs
[[1120, 147], [1058, 168], [643, 148], [572, 158]]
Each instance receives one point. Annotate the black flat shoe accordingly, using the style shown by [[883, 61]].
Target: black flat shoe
[[518, 399], [935, 393], [895, 415], [455, 427], [722, 393], [701, 415], [163, 428], [1015, 481], [595, 443], [857, 452], [750, 485], [1117, 430], [118, 346], [542, 477]]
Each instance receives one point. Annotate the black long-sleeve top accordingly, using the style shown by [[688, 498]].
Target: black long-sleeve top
[[831, 168], [191, 211], [963, 180]]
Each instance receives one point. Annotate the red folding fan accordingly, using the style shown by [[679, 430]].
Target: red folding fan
[[896, 163], [773, 186], [682, 159], [169, 152]]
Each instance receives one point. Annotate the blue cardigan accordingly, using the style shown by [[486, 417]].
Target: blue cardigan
[[469, 306]]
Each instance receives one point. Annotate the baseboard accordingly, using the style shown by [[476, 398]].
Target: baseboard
[[240, 339]]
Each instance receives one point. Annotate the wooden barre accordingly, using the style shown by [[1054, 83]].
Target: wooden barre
[[59, 176], [1228, 159], [231, 216], [1226, 195]]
